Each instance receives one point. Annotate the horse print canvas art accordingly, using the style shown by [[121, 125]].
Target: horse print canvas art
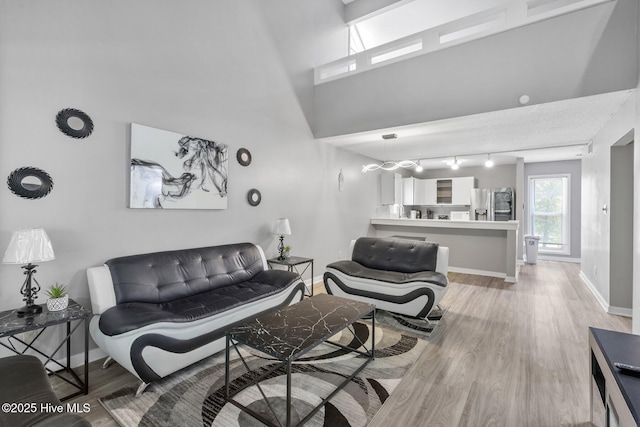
[[174, 171]]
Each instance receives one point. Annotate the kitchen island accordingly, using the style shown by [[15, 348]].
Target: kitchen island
[[485, 248]]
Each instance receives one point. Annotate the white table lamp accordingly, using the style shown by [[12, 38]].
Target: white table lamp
[[26, 247], [281, 228]]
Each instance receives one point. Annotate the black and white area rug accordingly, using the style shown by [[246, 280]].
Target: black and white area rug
[[195, 395], [422, 328]]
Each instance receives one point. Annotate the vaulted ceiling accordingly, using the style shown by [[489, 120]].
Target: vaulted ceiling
[[465, 99]]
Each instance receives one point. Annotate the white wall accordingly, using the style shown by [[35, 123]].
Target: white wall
[[636, 205], [596, 185], [497, 176], [206, 68]]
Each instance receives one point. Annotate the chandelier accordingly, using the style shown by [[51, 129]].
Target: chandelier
[[390, 165]]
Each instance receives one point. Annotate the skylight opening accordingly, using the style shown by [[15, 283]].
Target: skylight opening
[[536, 7], [414, 46], [411, 18], [338, 69]]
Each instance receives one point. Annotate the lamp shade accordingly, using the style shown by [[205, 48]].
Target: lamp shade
[[282, 227], [28, 246]]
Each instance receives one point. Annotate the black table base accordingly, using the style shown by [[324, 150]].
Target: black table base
[[288, 363]]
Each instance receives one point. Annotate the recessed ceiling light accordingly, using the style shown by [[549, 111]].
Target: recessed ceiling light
[[524, 99]]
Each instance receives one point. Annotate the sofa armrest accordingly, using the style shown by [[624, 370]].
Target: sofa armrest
[[265, 265], [101, 289]]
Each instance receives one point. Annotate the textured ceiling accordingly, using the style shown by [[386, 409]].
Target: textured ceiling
[[542, 132]]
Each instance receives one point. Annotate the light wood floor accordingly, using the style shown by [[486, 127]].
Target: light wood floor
[[504, 355]]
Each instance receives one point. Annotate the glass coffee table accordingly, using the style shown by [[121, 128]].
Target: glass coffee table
[[289, 333]]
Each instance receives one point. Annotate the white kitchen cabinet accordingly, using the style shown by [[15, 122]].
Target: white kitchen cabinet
[[461, 190], [442, 191], [390, 189], [424, 192], [408, 195], [430, 192], [418, 192]]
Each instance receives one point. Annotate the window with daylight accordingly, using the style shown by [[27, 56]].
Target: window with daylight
[[549, 212]]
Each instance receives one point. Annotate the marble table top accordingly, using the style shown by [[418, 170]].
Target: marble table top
[[293, 330], [11, 324]]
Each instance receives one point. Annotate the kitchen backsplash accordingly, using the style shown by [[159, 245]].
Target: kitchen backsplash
[[398, 211]]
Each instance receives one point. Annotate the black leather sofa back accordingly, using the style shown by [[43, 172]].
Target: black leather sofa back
[[406, 256], [167, 276]]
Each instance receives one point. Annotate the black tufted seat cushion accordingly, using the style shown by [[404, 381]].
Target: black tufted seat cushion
[[129, 316], [355, 269]]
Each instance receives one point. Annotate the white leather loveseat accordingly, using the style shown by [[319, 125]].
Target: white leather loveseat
[[160, 312], [397, 275]]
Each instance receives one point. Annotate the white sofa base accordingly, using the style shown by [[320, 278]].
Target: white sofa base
[[163, 362], [409, 308]]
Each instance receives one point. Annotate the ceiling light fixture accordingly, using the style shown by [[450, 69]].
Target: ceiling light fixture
[[489, 162], [455, 165], [389, 165]]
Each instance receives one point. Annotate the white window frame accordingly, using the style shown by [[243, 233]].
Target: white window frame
[[566, 218]]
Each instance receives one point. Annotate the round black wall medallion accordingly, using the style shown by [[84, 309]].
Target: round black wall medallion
[[30, 183], [244, 157], [74, 123], [254, 197]]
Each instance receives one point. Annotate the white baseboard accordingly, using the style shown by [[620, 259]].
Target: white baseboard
[[478, 272], [94, 354], [559, 258], [603, 303], [618, 311], [317, 279]]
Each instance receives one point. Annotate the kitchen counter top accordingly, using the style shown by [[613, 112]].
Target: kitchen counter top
[[475, 247], [447, 223]]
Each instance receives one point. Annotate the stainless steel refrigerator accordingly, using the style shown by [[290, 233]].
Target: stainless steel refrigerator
[[492, 204], [504, 202], [480, 209]]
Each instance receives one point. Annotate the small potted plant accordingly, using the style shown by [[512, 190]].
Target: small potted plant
[[287, 251], [58, 297]]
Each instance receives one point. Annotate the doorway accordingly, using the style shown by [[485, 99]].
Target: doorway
[[621, 226]]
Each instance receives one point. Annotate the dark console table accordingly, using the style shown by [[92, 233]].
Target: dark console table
[[615, 394], [292, 264], [11, 325]]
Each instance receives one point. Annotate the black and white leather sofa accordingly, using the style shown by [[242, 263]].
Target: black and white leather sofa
[[160, 312], [397, 275]]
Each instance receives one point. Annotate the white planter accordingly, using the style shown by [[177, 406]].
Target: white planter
[[57, 304]]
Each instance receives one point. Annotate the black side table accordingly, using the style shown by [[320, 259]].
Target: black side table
[[292, 263], [11, 325]]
